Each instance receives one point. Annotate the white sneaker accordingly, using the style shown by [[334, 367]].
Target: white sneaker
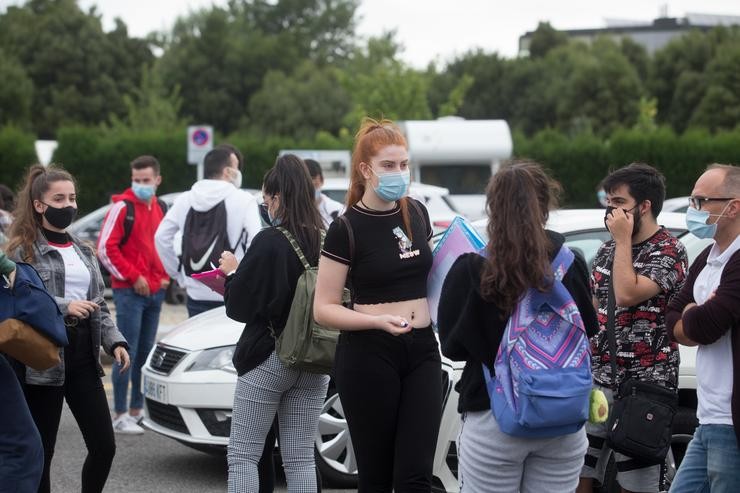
[[126, 425]]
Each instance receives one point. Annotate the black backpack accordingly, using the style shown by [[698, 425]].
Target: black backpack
[[204, 238], [128, 222]]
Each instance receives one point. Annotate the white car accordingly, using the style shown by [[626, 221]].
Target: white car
[[189, 380], [678, 204], [436, 199]]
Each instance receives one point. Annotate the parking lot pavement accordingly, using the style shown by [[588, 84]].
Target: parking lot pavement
[[149, 463]]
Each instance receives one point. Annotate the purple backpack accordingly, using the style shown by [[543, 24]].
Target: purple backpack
[[543, 366]]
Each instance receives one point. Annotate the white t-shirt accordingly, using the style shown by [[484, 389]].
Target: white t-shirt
[[329, 209], [76, 275], [714, 361]]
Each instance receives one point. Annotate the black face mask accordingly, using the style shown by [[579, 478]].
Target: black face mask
[[60, 217], [637, 218]]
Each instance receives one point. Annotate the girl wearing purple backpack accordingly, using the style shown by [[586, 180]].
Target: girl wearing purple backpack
[[480, 294]]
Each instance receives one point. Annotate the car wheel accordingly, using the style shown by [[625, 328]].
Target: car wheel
[[684, 424], [175, 295], [335, 456]]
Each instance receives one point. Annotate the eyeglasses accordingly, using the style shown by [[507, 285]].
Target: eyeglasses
[[696, 202]]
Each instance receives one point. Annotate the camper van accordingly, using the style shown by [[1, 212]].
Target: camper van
[[458, 154]]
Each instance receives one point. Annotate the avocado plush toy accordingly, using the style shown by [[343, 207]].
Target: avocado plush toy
[[598, 409]]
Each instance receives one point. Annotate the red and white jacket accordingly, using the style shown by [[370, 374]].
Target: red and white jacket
[[138, 256]]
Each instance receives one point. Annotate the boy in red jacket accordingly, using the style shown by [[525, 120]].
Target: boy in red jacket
[[139, 281]]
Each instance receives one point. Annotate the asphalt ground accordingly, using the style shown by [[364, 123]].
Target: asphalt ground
[[145, 463]]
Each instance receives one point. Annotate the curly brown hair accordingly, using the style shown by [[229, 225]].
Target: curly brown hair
[[518, 200]]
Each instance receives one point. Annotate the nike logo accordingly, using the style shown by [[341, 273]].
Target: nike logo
[[198, 266]]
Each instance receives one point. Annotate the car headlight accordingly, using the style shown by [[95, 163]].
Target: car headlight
[[214, 359]]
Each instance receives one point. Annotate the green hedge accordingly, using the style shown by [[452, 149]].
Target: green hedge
[[581, 162], [16, 154], [99, 159]]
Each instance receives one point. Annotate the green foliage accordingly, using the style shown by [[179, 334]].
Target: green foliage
[[300, 104], [151, 106], [79, 72], [16, 154], [544, 39], [580, 163], [16, 92], [382, 87], [99, 158], [220, 56]]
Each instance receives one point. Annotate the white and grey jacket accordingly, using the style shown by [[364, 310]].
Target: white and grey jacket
[[104, 333]]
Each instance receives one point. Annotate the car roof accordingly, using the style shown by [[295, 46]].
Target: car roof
[[340, 183], [676, 204], [568, 220]]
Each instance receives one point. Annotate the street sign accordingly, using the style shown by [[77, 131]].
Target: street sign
[[200, 141]]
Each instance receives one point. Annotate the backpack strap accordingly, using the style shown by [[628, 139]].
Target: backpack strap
[[296, 248], [350, 237], [563, 261], [128, 222], [162, 205]]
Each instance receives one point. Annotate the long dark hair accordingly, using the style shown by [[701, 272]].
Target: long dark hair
[[297, 209], [27, 222], [518, 200]]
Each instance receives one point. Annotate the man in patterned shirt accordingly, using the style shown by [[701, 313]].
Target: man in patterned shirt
[[649, 266]]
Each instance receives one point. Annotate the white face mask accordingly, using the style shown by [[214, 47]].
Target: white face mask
[[237, 179]]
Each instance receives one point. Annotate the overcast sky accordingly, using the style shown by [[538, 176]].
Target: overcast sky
[[437, 29]]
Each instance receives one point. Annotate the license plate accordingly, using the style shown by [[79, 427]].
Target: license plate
[[155, 390]]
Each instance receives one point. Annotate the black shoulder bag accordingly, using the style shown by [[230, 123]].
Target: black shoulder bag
[[641, 417]]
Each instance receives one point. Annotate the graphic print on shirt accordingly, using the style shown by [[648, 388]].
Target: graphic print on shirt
[[644, 349], [404, 244]]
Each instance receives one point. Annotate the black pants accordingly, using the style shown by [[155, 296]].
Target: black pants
[[391, 392], [86, 398]]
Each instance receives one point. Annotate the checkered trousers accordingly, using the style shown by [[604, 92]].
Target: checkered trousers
[[297, 397]]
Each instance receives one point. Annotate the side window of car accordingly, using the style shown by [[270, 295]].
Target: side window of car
[[587, 243]]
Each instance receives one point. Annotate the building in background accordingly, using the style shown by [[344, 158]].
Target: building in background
[[652, 35]]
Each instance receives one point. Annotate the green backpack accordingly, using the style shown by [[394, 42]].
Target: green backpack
[[304, 344]]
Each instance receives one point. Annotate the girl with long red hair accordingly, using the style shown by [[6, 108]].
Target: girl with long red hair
[[387, 367]]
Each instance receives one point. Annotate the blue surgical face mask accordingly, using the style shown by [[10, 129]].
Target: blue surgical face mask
[[601, 197], [143, 192], [317, 194], [392, 186], [696, 222]]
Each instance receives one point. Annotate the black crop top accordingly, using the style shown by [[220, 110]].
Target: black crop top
[[386, 265]]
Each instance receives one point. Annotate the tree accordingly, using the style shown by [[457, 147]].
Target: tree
[[379, 85], [719, 107], [602, 91], [544, 39], [300, 104], [79, 72], [220, 56], [678, 78], [476, 76], [16, 92], [151, 106]]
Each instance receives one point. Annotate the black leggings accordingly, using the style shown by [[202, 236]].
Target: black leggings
[[391, 392], [86, 398]]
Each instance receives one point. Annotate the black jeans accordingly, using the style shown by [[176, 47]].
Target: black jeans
[[391, 392], [86, 398]]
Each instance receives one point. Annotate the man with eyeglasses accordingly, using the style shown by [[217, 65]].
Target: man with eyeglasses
[[646, 265], [706, 313]]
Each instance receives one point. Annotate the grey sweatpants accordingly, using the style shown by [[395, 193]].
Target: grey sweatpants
[[494, 462], [297, 397]]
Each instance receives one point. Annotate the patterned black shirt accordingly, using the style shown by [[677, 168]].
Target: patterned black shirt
[[644, 350]]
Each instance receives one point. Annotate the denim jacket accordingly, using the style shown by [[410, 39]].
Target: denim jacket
[[50, 266]]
